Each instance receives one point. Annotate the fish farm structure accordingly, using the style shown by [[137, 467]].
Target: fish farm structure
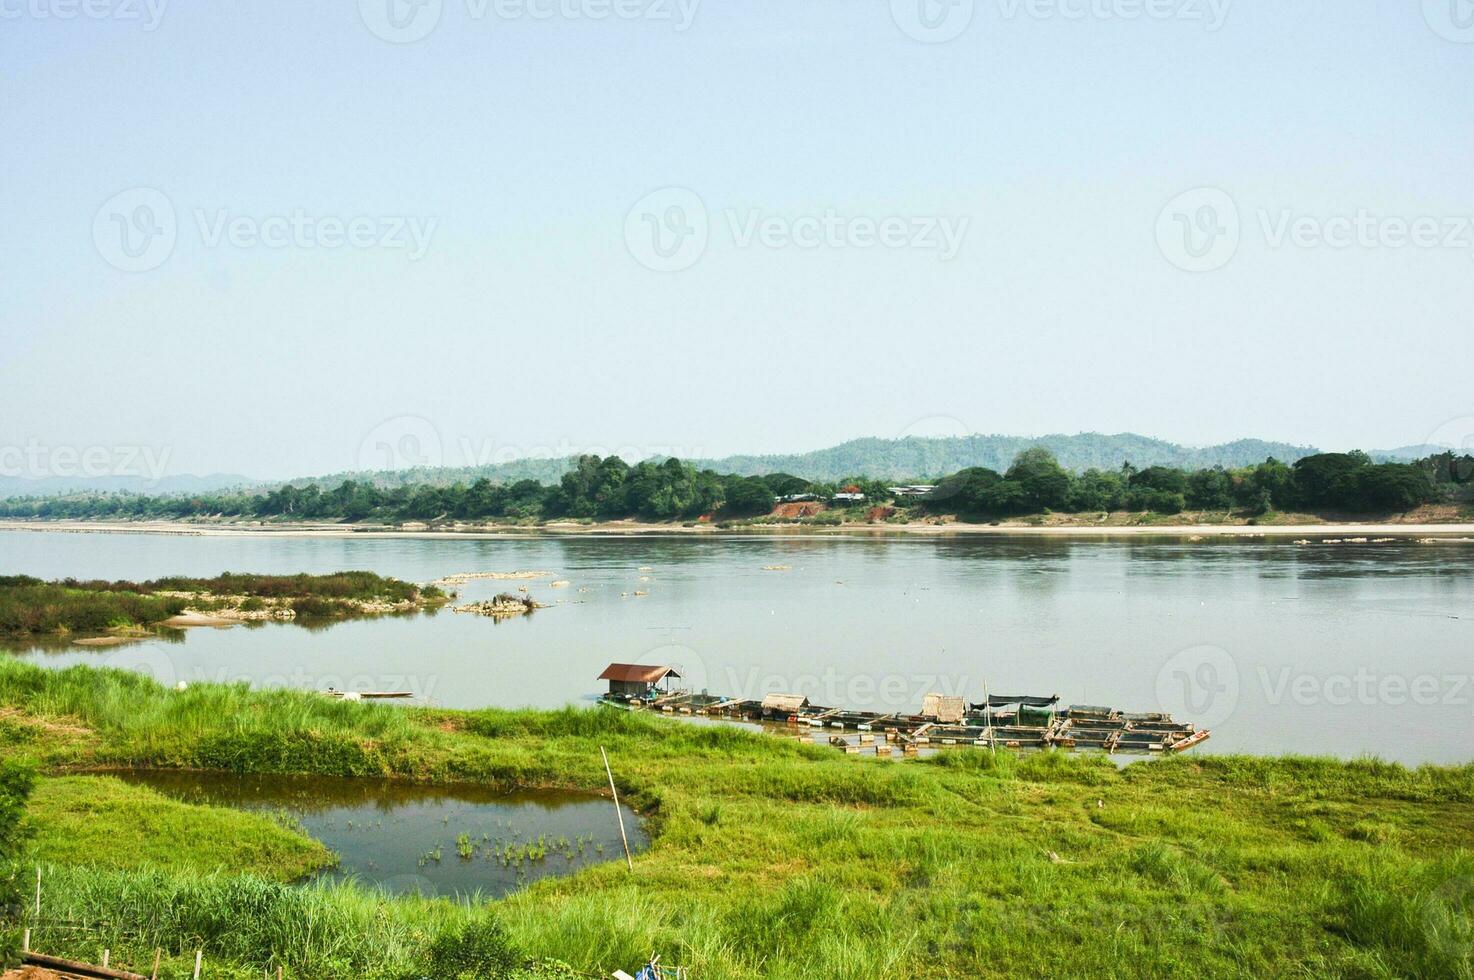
[[999, 721]]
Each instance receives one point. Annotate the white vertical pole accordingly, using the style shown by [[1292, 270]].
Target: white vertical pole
[[617, 812]]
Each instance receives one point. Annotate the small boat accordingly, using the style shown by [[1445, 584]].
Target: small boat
[[333, 692]]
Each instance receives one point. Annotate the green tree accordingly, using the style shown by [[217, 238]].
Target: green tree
[[748, 495], [963, 492], [1043, 482], [1325, 480], [1210, 489], [1097, 490]]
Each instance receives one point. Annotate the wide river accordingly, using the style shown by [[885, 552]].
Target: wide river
[[1345, 649]]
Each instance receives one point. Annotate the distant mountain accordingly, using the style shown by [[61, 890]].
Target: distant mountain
[[1407, 454], [887, 459], [916, 456], [184, 483]]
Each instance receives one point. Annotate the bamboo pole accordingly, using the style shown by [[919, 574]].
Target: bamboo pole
[[988, 709], [617, 812], [157, 954], [199, 958]]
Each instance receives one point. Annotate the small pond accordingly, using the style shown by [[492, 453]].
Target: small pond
[[456, 840]]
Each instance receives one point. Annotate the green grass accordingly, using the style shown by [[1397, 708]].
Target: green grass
[[106, 823], [775, 859], [31, 607]]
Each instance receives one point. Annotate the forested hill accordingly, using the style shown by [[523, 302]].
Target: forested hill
[[915, 456], [888, 459]]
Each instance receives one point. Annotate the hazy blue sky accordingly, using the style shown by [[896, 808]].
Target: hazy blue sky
[[516, 138]]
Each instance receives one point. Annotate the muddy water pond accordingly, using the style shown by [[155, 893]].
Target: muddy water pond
[[455, 840]]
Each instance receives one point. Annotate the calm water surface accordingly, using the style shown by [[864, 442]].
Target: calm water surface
[[1342, 649], [403, 837]]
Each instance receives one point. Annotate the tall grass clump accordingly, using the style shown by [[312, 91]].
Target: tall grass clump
[[318, 930], [16, 783], [1418, 917]]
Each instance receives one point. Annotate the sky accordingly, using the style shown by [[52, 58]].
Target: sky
[[281, 238]]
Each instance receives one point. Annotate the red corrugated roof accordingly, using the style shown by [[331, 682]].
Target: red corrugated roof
[[636, 672]]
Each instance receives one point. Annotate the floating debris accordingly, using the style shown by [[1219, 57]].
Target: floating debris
[[777, 568]]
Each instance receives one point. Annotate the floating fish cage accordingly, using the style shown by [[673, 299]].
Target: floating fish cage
[[1014, 722]]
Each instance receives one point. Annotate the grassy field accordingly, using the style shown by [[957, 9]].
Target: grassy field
[[771, 858], [100, 821]]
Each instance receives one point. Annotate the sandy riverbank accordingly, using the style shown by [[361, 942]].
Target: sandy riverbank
[[1344, 531]]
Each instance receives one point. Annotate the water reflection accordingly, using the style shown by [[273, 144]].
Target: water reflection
[[436, 840]]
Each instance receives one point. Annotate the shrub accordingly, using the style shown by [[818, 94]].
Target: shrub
[[475, 949]]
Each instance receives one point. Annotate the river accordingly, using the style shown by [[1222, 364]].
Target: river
[[1335, 648]]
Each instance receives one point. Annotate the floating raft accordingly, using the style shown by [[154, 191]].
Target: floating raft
[[1022, 722]]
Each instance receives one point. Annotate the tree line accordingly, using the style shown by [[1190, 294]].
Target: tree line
[[607, 488], [1348, 483]]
